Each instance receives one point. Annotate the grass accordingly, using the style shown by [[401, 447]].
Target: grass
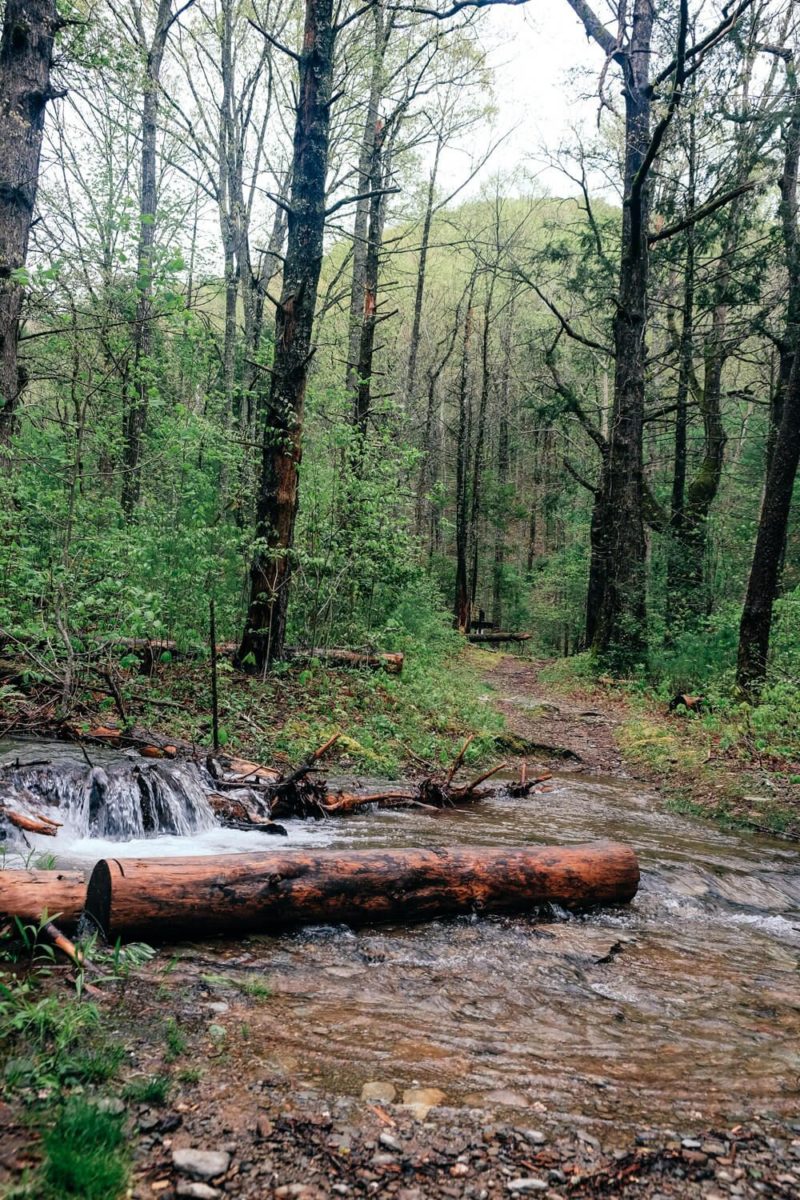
[[252, 986], [53, 1046], [85, 1155], [733, 762], [152, 1089], [190, 1075], [175, 1039], [385, 721]]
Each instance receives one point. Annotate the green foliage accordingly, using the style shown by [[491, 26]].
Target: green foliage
[[84, 1155], [152, 1089], [175, 1039]]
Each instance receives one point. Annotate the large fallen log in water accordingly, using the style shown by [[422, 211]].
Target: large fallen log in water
[[30, 894], [160, 898]]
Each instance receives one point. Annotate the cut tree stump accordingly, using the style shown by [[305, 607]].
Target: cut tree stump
[[29, 894], [162, 898]]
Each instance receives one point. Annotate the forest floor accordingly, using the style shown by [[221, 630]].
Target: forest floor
[[203, 1120]]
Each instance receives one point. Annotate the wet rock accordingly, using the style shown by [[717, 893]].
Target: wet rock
[[380, 1090], [197, 1191], [422, 1095], [264, 1126], [521, 1186], [507, 1097], [205, 1164]]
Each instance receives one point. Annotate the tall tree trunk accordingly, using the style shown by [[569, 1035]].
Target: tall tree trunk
[[598, 554], [503, 461], [480, 433], [756, 622], [428, 472], [676, 585], [461, 605], [269, 267], [270, 574], [419, 294], [620, 634], [369, 316], [26, 56], [135, 419], [231, 209], [370, 146]]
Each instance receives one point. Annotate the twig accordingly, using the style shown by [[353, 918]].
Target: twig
[[459, 758], [464, 791]]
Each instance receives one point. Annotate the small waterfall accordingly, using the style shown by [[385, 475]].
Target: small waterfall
[[118, 799]]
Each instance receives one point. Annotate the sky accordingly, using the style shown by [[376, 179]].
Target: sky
[[533, 50]]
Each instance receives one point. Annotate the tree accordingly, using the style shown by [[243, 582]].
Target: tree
[[26, 59], [756, 622], [151, 48], [278, 494]]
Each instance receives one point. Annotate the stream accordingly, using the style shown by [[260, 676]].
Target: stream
[[679, 1011]]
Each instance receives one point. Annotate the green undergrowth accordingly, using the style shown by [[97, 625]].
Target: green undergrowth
[[387, 723], [734, 761], [63, 1063]]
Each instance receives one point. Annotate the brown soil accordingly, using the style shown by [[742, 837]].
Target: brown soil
[[578, 731]]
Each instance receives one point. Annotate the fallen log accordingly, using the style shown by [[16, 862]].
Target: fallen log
[[499, 637], [30, 894], [159, 898], [392, 664]]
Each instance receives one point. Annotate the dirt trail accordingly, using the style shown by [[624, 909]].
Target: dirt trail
[[576, 730]]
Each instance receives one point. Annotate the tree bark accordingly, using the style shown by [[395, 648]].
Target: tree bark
[[270, 574], [480, 433], [419, 293], [30, 894], [155, 898], [461, 604], [362, 397], [370, 152], [756, 622], [135, 417], [26, 57], [620, 633], [503, 460]]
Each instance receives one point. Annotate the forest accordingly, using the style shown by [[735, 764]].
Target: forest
[[399, 596], [257, 345]]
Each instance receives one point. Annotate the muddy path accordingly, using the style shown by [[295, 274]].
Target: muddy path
[[577, 732]]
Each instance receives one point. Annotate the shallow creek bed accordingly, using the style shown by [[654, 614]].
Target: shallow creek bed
[[488, 1056]]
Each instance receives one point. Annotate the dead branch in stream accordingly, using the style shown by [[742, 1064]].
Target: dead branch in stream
[[252, 797]]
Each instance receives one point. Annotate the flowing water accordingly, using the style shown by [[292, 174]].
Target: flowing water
[[680, 1010]]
